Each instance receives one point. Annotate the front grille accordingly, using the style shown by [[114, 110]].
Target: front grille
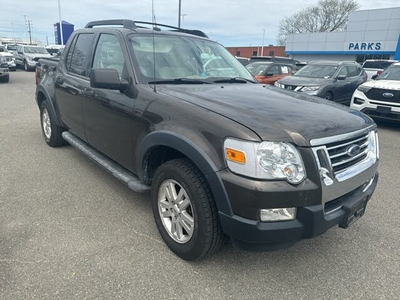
[[340, 155], [378, 94], [8, 58]]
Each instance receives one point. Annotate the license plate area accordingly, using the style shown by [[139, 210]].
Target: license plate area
[[384, 109], [353, 212]]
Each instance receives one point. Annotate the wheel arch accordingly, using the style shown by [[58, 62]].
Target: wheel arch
[[161, 146], [42, 95]]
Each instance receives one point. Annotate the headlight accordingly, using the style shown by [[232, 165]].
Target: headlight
[[277, 84], [373, 145], [266, 160], [364, 89], [310, 88]]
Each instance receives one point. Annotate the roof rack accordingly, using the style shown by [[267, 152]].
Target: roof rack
[[129, 24]]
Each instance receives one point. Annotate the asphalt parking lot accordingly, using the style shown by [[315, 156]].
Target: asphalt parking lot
[[69, 230]]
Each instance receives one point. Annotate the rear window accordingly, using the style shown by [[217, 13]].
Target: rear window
[[376, 64]]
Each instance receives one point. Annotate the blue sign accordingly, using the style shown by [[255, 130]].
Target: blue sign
[[365, 46]]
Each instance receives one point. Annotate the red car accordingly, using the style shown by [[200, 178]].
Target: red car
[[269, 72]]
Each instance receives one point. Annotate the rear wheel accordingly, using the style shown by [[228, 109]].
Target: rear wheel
[[52, 133], [185, 211], [26, 67]]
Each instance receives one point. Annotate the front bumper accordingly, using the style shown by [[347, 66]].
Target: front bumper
[[375, 108], [31, 63], [310, 221], [4, 72]]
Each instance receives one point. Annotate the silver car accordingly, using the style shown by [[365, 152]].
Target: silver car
[[27, 56], [7, 57]]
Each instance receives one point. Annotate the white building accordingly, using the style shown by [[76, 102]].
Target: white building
[[370, 34]]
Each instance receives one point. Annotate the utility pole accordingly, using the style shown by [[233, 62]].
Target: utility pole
[[183, 18], [262, 46], [30, 31], [179, 14], [47, 40]]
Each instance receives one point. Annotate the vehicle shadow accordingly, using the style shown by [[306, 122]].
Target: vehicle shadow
[[388, 125]]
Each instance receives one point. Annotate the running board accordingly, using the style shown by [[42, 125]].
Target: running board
[[132, 181]]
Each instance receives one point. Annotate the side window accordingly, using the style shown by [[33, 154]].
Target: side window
[[274, 70], [352, 71], [81, 54], [343, 71], [69, 54], [109, 54], [286, 69]]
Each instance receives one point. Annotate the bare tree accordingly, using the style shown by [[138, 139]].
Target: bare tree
[[325, 16]]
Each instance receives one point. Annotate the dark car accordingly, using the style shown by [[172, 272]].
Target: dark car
[[171, 111], [331, 80], [269, 72]]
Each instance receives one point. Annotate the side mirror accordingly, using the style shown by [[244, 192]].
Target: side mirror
[[341, 77], [374, 76], [106, 79], [20, 52]]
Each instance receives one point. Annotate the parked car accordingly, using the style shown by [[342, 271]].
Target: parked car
[[331, 80], [269, 72], [8, 57], [53, 49], [299, 65], [222, 155], [11, 48], [27, 56], [380, 97], [376, 66], [280, 59], [4, 74], [243, 60]]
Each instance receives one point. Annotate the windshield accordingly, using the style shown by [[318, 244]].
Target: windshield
[[35, 50], [178, 57], [11, 47], [391, 73], [258, 68], [316, 71]]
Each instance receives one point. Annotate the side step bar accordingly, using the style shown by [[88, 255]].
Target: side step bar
[[132, 181]]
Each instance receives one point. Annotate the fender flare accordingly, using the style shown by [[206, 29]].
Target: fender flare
[[192, 152], [40, 89]]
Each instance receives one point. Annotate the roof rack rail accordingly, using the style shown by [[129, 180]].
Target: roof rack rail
[[129, 24], [188, 31]]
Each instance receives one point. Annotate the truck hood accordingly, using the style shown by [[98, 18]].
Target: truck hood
[[38, 55], [383, 84], [273, 114], [305, 81], [6, 54]]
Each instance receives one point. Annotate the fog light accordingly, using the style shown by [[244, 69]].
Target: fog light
[[359, 101], [278, 214]]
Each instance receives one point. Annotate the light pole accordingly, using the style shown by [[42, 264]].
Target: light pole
[[179, 14], [183, 18], [262, 46], [59, 16]]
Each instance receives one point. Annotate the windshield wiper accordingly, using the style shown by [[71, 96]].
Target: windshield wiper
[[233, 79], [180, 81]]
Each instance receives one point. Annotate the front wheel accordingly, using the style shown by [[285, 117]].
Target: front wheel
[[26, 67], [184, 210], [328, 96], [52, 133]]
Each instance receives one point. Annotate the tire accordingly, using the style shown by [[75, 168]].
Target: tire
[[26, 67], [5, 79], [328, 96], [52, 133], [198, 207]]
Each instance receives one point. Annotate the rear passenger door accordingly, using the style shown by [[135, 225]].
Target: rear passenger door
[[342, 91], [73, 85], [108, 113]]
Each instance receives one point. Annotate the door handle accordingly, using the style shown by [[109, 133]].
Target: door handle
[[60, 80], [88, 92]]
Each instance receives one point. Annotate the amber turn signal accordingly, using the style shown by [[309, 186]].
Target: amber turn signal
[[235, 155]]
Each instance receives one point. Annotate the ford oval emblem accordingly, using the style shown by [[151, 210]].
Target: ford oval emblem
[[353, 150], [388, 95], [289, 87]]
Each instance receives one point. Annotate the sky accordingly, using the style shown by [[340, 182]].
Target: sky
[[230, 22]]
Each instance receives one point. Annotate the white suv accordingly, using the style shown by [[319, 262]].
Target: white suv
[[380, 98]]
